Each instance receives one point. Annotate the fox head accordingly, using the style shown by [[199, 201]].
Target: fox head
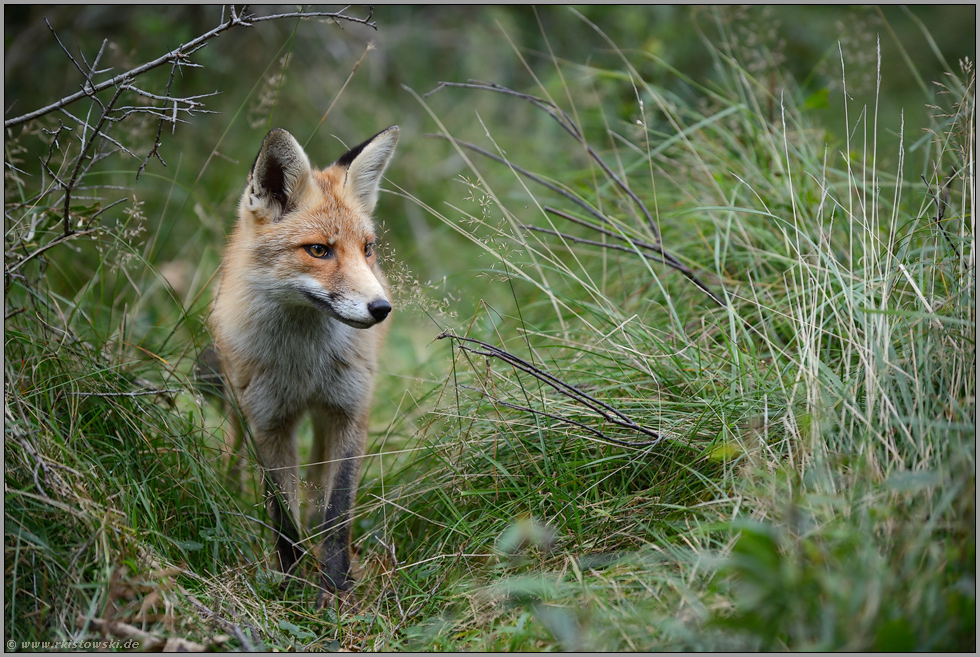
[[309, 231]]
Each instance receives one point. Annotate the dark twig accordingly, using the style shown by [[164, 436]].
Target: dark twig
[[157, 142], [599, 229], [941, 197], [672, 262], [66, 51], [108, 207], [608, 412], [81, 159], [582, 240], [560, 418], [665, 257]]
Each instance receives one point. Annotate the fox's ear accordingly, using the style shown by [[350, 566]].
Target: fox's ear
[[366, 163], [279, 172]]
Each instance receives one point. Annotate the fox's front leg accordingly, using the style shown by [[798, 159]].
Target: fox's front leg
[[276, 446], [343, 439]]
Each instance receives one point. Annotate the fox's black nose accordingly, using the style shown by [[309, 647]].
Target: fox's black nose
[[379, 309]]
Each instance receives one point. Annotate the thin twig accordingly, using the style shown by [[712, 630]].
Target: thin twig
[[41, 249], [81, 158], [671, 262], [596, 432], [582, 240], [83, 123], [668, 258], [65, 50]]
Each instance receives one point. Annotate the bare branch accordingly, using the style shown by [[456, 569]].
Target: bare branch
[[176, 55], [64, 170]]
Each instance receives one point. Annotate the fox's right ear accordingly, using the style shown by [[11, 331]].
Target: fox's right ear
[[280, 170], [366, 164]]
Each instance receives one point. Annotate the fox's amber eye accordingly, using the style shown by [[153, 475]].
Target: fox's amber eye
[[369, 249], [318, 250]]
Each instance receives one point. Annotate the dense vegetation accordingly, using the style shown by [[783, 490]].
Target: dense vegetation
[[684, 355]]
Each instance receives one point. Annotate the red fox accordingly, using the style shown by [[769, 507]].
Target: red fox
[[298, 324]]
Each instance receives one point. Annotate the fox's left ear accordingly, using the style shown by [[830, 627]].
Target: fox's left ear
[[280, 171], [366, 163]]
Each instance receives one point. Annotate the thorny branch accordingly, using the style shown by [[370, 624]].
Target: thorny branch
[[179, 55], [606, 411]]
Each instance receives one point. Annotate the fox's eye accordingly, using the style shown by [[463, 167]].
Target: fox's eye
[[369, 249], [318, 250]]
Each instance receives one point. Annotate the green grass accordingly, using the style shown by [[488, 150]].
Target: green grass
[[596, 455]]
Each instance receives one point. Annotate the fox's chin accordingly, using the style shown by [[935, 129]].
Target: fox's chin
[[353, 322], [324, 305]]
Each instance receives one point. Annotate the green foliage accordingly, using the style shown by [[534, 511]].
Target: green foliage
[[710, 385]]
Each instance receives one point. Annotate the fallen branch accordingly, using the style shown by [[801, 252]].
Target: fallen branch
[[606, 411], [132, 393]]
